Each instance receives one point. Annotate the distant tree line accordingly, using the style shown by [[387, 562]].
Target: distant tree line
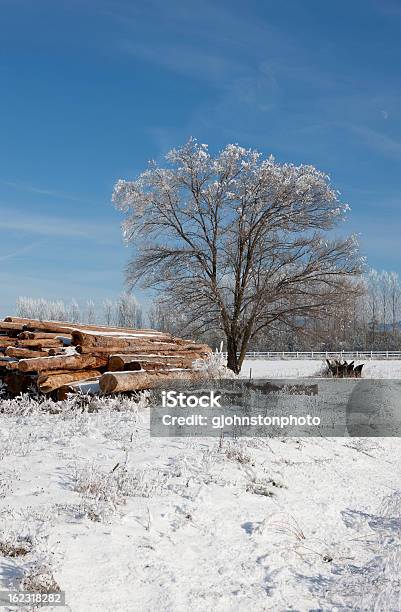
[[125, 311], [367, 318]]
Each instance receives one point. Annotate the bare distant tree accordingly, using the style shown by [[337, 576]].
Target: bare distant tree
[[236, 240], [39, 308], [163, 318], [74, 313], [395, 300], [90, 312], [129, 311], [109, 308]]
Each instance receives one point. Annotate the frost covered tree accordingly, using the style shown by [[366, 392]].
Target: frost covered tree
[[90, 312], [161, 317], [129, 312], [109, 308], [237, 241], [383, 301], [395, 300], [39, 308], [74, 313]]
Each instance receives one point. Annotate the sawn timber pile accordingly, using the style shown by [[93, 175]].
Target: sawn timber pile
[[56, 357]]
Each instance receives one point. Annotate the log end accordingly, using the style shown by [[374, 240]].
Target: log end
[[107, 383]]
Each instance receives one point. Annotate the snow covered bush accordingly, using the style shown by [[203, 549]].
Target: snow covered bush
[[371, 581], [13, 544], [5, 486], [3, 389], [238, 453], [214, 366], [102, 492], [35, 403], [38, 578]]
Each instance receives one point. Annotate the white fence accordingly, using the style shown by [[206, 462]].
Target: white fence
[[322, 355]]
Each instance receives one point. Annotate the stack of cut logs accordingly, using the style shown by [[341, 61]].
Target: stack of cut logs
[[60, 358]]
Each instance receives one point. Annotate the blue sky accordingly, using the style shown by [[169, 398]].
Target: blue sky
[[90, 90]]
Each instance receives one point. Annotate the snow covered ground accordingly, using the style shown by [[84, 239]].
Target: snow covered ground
[[299, 368], [122, 521]]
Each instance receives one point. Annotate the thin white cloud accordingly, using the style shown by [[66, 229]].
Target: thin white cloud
[[56, 226], [382, 143], [61, 195], [21, 251]]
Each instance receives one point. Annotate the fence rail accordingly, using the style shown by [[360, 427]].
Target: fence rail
[[322, 355]]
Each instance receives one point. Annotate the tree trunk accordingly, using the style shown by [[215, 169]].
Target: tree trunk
[[232, 357]]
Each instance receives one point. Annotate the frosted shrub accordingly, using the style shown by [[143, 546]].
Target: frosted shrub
[[374, 583], [5, 486], [34, 403], [3, 389], [102, 492], [13, 544], [238, 453], [27, 404], [214, 366], [38, 577]]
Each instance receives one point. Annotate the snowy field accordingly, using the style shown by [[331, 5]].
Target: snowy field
[[299, 368], [121, 521]]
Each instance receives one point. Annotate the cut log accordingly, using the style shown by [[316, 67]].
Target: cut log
[[119, 363], [47, 326], [7, 341], [153, 348], [116, 382], [59, 326], [56, 351], [135, 366], [51, 382], [24, 353], [38, 344], [5, 363], [12, 365], [62, 362], [10, 327], [129, 338], [30, 335]]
